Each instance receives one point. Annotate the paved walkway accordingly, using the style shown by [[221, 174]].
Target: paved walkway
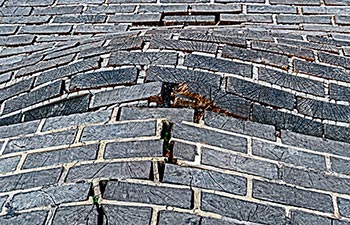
[[174, 112]]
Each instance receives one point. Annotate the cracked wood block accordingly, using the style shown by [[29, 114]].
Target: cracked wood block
[[330, 47], [288, 195], [115, 45], [218, 65], [15, 11], [288, 155], [13, 119], [216, 8], [337, 2], [40, 141], [315, 179], [284, 49], [44, 65], [16, 89], [209, 137], [68, 106], [80, 19], [308, 218], [272, 9], [173, 9], [29, 2], [239, 1], [73, 120], [339, 92], [261, 94], [239, 163], [326, 10], [110, 9], [74, 68], [17, 40], [10, 60], [272, 59], [80, 214], [25, 61], [338, 133], [171, 217], [189, 20], [184, 45], [119, 170], [343, 206], [98, 29], [296, 2], [172, 114], [128, 214], [255, 212], [127, 94], [61, 156], [291, 81], [343, 20], [183, 151], [25, 20], [46, 29], [206, 82], [8, 164], [213, 38], [334, 59], [142, 58], [327, 72], [5, 77], [317, 144], [297, 19], [251, 18], [41, 94], [30, 180], [240, 126], [2, 201], [58, 10], [120, 130], [346, 51], [35, 218], [340, 166], [7, 30], [335, 39], [19, 129], [204, 179], [323, 110], [184, 1], [249, 34], [103, 79], [149, 18], [158, 195], [66, 2], [231, 105], [287, 121], [54, 195], [75, 47], [134, 149]]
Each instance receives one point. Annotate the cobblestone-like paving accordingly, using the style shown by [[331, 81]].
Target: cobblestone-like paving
[[174, 112]]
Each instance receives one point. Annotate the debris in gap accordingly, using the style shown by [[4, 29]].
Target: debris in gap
[[96, 192], [167, 145]]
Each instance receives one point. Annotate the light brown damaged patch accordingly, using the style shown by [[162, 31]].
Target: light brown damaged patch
[[184, 98], [156, 99]]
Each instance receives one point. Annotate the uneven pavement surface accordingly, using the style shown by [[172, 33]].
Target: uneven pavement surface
[[174, 112]]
